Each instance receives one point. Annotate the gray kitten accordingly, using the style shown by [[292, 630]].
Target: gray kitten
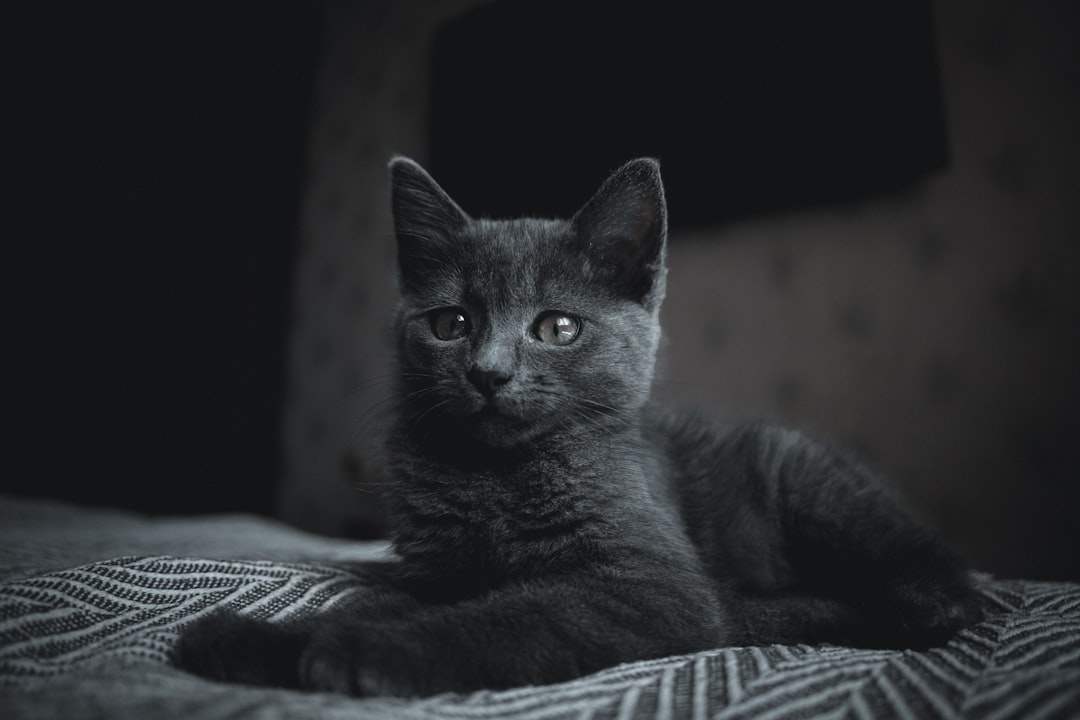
[[550, 519]]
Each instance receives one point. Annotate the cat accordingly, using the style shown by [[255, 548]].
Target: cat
[[550, 519]]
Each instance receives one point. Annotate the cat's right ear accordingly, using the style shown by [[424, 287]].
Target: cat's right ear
[[624, 230], [425, 219]]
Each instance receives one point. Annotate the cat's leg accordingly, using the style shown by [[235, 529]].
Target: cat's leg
[[230, 647], [535, 632], [847, 540], [386, 642]]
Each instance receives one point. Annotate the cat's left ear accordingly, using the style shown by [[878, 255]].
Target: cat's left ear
[[623, 230]]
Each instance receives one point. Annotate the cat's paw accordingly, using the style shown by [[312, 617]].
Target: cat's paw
[[354, 662], [338, 664], [227, 647], [919, 613]]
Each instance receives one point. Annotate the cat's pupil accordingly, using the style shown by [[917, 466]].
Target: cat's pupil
[[450, 323]]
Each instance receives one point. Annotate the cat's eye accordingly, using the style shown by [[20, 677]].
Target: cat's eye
[[557, 328], [450, 323]]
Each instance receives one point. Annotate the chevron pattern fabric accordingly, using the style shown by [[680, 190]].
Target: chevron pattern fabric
[[95, 640]]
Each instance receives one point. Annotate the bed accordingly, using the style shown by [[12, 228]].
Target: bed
[[92, 601]]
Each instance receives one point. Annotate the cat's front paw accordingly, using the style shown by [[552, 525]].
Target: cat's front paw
[[230, 648], [354, 663], [922, 613]]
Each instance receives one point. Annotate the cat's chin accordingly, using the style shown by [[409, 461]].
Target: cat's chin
[[502, 431]]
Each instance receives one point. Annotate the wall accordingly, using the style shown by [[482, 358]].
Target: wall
[[934, 332], [158, 151]]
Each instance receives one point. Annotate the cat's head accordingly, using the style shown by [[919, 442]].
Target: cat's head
[[511, 329]]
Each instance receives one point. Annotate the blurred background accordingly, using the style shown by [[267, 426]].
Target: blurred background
[[875, 234]]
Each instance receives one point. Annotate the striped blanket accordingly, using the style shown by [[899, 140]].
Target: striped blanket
[[91, 603]]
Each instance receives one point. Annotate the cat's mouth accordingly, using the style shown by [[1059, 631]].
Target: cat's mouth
[[493, 411]]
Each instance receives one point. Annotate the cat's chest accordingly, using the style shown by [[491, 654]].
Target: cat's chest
[[505, 506], [499, 521]]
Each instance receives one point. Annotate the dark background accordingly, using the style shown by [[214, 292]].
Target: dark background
[[753, 108], [162, 150]]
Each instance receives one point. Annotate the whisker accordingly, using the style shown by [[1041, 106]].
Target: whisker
[[376, 381], [428, 411]]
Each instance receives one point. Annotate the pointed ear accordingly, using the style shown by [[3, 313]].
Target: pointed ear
[[623, 230], [425, 218]]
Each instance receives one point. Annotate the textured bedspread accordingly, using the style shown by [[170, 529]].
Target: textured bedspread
[[92, 601]]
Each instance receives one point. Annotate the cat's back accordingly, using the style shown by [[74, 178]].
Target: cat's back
[[688, 439], [707, 473], [708, 451], [689, 452]]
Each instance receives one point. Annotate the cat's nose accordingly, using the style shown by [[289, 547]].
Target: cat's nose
[[488, 382]]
